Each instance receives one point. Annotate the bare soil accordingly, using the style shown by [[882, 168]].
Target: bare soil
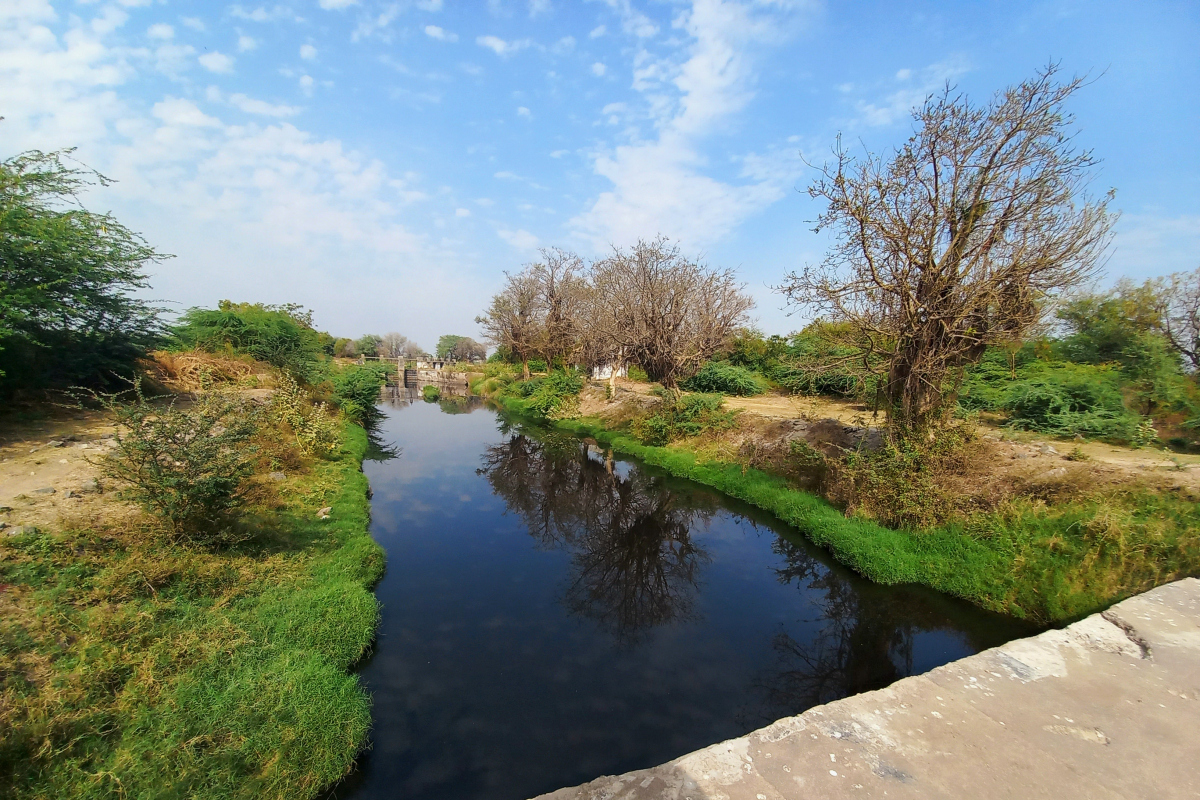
[[1005, 455]]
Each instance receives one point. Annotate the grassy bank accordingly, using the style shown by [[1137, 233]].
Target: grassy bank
[[1049, 564], [132, 667]]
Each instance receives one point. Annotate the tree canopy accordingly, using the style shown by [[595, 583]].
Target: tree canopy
[[68, 314]]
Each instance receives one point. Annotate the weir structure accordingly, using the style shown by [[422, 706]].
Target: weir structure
[[1108, 707]]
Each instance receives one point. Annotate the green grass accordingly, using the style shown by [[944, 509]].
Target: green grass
[[1045, 564], [133, 668]]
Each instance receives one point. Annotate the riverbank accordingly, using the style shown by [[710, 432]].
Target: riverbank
[[134, 666], [1106, 707], [1033, 560]]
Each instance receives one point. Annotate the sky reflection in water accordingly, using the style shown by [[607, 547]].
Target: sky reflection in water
[[552, 614]]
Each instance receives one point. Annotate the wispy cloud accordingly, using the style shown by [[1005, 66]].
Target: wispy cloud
[[435, 32], [501, 47], [909, 90], [521, 239], [660, 185], [217, 62], [261, 107]]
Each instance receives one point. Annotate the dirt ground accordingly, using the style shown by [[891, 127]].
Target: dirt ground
[[53, 454], [1012, 451]]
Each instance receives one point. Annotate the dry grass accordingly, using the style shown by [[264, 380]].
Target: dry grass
[[196, 370]]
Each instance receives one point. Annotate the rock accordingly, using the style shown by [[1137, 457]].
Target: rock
[[55, 443], [325, 512], [35, 449], [1047, 450], [3, 525], [5, 509], [1079, 437], [71, 494], [106, 436], [22, 530], [90, 486], [1054, 474], [46, 490], [278, 476], [1021, 455]]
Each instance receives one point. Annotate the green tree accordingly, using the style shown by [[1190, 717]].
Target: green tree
[[66, 277], [446, 344], [369, 345]]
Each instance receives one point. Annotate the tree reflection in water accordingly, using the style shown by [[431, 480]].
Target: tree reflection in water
[[634, 563]]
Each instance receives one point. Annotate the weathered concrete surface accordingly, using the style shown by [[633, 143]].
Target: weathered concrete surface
[[1106, 708]]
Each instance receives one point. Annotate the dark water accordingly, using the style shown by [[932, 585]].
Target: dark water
[[552, 614]]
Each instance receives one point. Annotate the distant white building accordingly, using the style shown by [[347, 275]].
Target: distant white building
[[604, 372]]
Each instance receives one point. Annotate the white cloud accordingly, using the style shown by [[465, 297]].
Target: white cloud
[[899, 103], [559, 153], [217, 62], [177, 112], [434, 32], [505, 175], [462, 212], [500, 47], [376, 25], [538, 7], [563, 46], [306, 84], [430, 5], [246, 43], [597, 32], [522, 111], [308, 52], [261, 107], [599, 69], [633, 22], [336, 5], [660, 185], [160, 30], [520, 239], [195, 23]]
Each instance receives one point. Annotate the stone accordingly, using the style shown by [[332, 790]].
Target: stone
[[278, 476], [325, 512], [72, 494], [1047, 450], [46, 490], [1053, 474], [55, 443], [90, 486], [3, 525], [22, 530]]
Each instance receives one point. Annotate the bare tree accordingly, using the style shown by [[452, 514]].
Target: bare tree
[[1180, 315], [467, 349], [562, 288], [513, 321], [957, 240], [669, 314], [393, 345]]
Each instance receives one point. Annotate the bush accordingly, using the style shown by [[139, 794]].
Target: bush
[[683, 416], [356, 390], [316, 430], [187, 467], [1071, 399], [556, 396], [726, 378], [637, 374], [431, 393], [263, 332]]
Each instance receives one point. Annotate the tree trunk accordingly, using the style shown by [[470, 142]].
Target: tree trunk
[[525, 368]]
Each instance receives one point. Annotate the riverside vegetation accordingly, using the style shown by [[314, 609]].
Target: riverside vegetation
[[187, 627]]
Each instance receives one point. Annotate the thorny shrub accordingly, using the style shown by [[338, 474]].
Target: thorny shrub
[[317, 431], [186, 466], [681, 416]]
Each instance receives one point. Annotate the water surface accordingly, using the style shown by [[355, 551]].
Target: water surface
[[552, 613]]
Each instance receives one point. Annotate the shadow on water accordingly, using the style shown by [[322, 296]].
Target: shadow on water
[[552, 613]]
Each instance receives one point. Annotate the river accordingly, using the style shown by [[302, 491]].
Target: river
[[552, 613]]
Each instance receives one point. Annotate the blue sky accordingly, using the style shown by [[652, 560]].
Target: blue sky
[[384, 162]]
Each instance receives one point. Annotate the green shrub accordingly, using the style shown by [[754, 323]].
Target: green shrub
[[556, 396], [431, 393], [1071, 399], [725, 378], [537, 365], [316, 430], [187, 467], [637, 374], [682, 416], [263, 332], [356, 390]]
